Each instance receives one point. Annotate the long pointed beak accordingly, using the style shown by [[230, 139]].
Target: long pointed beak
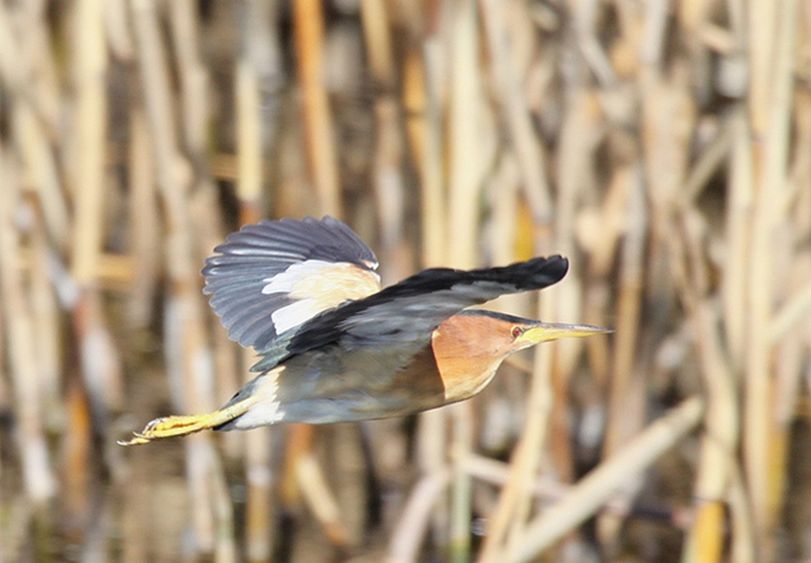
[[544, 332]]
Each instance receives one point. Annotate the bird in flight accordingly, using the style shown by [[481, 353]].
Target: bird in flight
[[335, 347]]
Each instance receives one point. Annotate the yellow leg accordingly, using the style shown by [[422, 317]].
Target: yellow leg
[[182, 425]]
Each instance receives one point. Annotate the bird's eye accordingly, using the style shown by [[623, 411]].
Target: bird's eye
[[517, 331]]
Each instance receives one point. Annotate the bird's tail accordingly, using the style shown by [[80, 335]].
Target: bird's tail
[[182, 425]]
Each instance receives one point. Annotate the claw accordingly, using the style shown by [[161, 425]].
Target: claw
[[136, 440]]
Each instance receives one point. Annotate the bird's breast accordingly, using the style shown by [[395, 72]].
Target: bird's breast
[[463, 370]]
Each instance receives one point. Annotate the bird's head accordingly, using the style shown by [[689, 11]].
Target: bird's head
[[470, 346], [500, 335]]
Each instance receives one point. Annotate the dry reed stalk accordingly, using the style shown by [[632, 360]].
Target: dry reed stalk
[[601, 483], [387, 178], [788, 370], [717, 464], [355, 476], [10, 69], [525, 458], [91, 105], [45, 310], [321, 500], [790, 357], [406, 538], [772, 27], [741, 526], [513, 105], [194, 82], [421, 100], [134, 516], [101, 371], [546, 490], [172, 173], [302, 479], [225, 550], [258, 474], [308, 21], [625, 411], [599, 232], [720, 437], [144, 225], [378, 42], [535, 433], [579, 134], [424, 129], [207, 226], [308, 26], [115, 271], [666, 124], [41, 171], [298, 449], [76, 463], [223, 166], [801, 170], [734, 285], [464, 184], [792, 313], [188, 357], [712, 157], [118, 33], [499, 472], [99, 527], [513, 504], [5, 399], [249, 140], [503, 229], [36, 468], [504, 233], [37, 58]]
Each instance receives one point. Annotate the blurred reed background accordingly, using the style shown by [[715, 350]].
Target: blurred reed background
[[664, 147]]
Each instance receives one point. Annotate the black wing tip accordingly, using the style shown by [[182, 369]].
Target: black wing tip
[[539, 272], [557, 263]]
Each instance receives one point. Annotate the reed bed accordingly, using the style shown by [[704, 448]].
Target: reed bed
[[664, 147]]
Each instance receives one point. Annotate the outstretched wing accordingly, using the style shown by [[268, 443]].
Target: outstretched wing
[[409, 311], [271, 277]]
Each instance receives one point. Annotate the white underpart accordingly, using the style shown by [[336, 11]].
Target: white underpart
[[267, 409]]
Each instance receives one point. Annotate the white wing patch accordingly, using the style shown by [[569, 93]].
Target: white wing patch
[[287, 281], [317, 285], [294, 314]]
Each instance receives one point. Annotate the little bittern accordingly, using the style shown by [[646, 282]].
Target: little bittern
[[335, 347]]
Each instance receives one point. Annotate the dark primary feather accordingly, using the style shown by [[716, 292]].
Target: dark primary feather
[[409, 311], [237, 273]]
